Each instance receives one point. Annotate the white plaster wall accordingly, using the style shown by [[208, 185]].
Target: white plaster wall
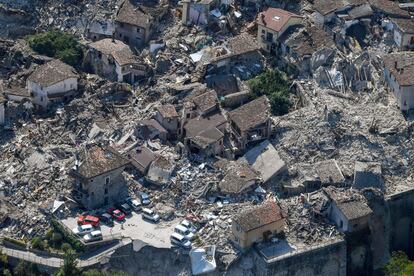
[[41, 92], [403, 94], [2, 114], [336, 216]]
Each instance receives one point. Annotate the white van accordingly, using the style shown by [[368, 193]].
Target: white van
[[182, 230], [93, 236], [150, 215], [82, 229], [180, 240]]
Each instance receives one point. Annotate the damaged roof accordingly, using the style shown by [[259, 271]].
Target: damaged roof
[[401, 66], [325, 7], [207, 137], [354, 209], [310, 40], [167, 111], [130, 14], [238, 178], [405, 25], [205, 101], [235, 46], [115, 48], [99, 160], [52, 72], [389, 7], [275, 19], [197, 125], [252, 114], [267, 213], [141, 157]]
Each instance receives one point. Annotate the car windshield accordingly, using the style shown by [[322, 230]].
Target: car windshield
[[144, 196]]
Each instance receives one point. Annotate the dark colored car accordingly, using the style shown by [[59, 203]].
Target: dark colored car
[[107, 219], [125, 208], [116, 214]]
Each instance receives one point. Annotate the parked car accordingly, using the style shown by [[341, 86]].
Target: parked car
[[184, 231], [93, 236], [180, 240], [116, 214], [135, 204], [107, 219], [83, 229], [150, 215], [145, 199], [188, 225], [124, 208], [88, 219]]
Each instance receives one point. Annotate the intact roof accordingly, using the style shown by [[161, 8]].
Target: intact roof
[[207, 137], [275, 19], [405, 25], [363, 10], [115, 48], [389, 7], [239, 177], [52, 72], [142, 156], [354, 209], [167, 111], [259, 216], [197, 125], [404, 71], [130, 14], [98, 160], [251, 114], [206, 101], [327, 6]]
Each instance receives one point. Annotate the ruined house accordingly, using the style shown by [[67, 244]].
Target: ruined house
[[307, 50], [196, 12], [16, 94], [250, 123], [135, 24], [141, 158], [114, 60], [403, 33], [348, 210], [160, 171], [168, 117], [325, 10], [52, 82], [151, 129], [258, 224], [239, 55], [98, 30], [399, 72], [272, 23], [239, 178], [98, 179], [367, 174]]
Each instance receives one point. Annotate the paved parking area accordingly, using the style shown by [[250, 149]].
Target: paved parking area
[[134, 227]]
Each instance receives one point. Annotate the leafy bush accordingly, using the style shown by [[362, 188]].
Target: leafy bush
[[275, 86], [95, 272], [68, 237], [66, 247], [38, 243], [57, 44], [399, 265]]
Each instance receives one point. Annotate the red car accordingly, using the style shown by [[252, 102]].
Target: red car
[[88, 219], [116, 214]]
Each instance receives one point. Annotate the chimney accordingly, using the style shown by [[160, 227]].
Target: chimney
[[263, 17], [113, 37]]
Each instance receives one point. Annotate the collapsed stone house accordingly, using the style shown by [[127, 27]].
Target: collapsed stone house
[[258, 224], [197, 12], [307, 50], [134, 25], [52, 82], [100, 29], [141, 158], [114, 60], [272, 24], [160, 171], [249, 124], [97, 177], [398, 73]]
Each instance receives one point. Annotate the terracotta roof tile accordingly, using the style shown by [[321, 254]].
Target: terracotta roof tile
[[275, 19]]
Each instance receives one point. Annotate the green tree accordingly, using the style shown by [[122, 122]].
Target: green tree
[[57, 44], [37, 243], [66, 247], [399, 265], [95, 272], [24, 268], [274, 84], [70, 265]]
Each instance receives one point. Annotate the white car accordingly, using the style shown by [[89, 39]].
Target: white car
[[184, 231], [187, 224], [180, 240], [150, 215], [135, 204], [83, 229], [93, 236]]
